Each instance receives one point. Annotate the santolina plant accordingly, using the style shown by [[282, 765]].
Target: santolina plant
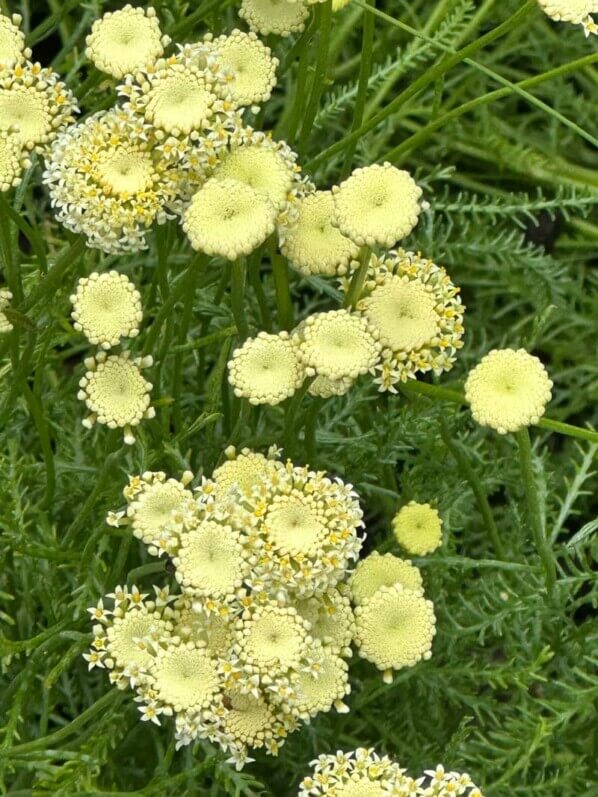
[[238, 237]]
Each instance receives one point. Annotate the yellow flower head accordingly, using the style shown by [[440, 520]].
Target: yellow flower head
[[34, 104], [125, 635], [330, 618], [228, 218], [417, 313], [183, 677], [249, 66], [266, 369], [360, 773], [576, 11], [115, 392], [106, 308], [307, 535], [124, 41], [337, 345], [377, 571], [508, 390], [212, 629], [12, 40], [312, 243], [242, 472], [156, 509], [248, 721], [5, 299], [418, 528], [210, 560], [265, 166], [323, 387], [108, 180], [13, 159], [324, 685], [282, 17], [377, 205], [395, 628]]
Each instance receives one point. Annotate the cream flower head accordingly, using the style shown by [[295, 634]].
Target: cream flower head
[[248, 721], [576, 11], [417, 313], [508, 390], [109, 181], [125, 41], [13, 159], [214, 629], [266, 166], [323, 387], [106, 308], [115, 392], [307, 536], [395, 628], [12, 40], [337, 345], [242, 472], [210, 560], [418, 528], [249, 65], [228, 218], [34, 104], [125, 636], [360, 773], [5, 299], [377, 571], [183, 678], [282, 17], [266, 369], [324, 685], [156, 509], [377, 205], [330, 618], [312, 243]]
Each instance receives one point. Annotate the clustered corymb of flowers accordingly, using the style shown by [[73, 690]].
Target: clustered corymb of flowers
[[35, 105], [408, 319], [106, 309], [579, 12], [256, 641], [365, 773]]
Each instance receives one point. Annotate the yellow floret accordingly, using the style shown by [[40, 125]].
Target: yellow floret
[[126, 40], [508, 390], [418, 528]]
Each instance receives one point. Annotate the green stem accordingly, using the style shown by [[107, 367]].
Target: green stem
[[324, 20], [365, 70], [292, 408], [533, 509], [284, 304], [429, 77], [428, 131], [477, 487], [254, 276], [414, 387], [238, 280], [8, 252], [358, 279]]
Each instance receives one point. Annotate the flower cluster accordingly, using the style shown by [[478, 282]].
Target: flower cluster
[[35, 105], [579, 12], [107, 308], [364, 773], [255, 642], [409, 319], [394, 623]]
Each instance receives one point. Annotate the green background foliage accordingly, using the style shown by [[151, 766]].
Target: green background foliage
[[502, 137]]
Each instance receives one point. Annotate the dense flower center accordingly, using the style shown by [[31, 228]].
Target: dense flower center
[[404, 313], [293, 526], [23, 108], [125, 172]]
